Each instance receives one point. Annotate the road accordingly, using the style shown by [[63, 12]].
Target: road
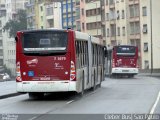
[[119, 96]]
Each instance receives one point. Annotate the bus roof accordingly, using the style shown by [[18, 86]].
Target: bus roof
[[39, 30], [85, 37]]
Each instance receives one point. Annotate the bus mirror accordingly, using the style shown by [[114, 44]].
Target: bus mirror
[[16, 38]]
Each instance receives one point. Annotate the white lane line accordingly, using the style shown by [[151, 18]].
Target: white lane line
[[35, 117], [154, 106], [69, 102]]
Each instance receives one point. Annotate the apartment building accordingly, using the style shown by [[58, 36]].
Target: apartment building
[[80, 16], [122, 21], [68, 14], [93, 17], [134, 22], [150, 34], [42, 14], [2, 13], [8, 11]]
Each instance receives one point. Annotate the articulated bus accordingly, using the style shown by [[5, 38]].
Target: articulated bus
[[57, 60], [123, 60]]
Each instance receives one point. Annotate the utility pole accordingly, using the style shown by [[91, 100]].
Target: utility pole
[[151, 38]]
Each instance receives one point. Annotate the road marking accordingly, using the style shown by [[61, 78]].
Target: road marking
[[155, 105], [35, 117], [69, 102]]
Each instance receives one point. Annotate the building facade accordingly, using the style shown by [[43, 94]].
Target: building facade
[[42, 14], [9, 12], [134, 22], [2, 14], [80, 16], [150, 34], [93, 17], [68, 14]]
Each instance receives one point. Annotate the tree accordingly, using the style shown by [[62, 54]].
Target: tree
[[17, 24]]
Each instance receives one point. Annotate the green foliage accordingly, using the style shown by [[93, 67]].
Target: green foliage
[[14, 25]]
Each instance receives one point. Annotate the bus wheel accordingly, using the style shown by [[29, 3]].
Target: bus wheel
[[36, 95], [82, 92]]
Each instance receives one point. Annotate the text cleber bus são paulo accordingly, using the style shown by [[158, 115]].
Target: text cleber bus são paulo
[[123, 60], [56, 60]]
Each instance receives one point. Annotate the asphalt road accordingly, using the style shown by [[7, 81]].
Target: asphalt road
[[118, 96]]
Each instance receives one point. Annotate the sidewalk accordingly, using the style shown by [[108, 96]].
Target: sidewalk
[[8, 89], [149, 74]]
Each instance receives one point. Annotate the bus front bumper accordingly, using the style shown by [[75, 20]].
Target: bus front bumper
[[120, 70], [46, 86]]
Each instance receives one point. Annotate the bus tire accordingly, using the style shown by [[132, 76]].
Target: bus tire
[[82, 92], [36, 95]]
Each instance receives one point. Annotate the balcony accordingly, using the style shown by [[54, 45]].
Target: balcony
[[132, 2], [134, 19], [135, 36]]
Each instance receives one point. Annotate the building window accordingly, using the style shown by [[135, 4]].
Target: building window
[[123, 14], [113, 30], [113, 42], [107, 32], [83, 27], [82, 11], [136, 42], [49, 11], [118, 31], [123, 31], [41, 8], [118, 14], [146, 64], [112, 14], [134, 28], [106, 2], [107, 16], [144, 28], [134, 10], [111, 2], [144, 9], [145, 47], [41, 18]]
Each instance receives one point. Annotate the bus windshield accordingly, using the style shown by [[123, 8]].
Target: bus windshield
[[126, 50], [50, 41]]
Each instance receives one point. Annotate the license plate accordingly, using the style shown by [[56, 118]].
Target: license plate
[[125, 70], [45, 78]]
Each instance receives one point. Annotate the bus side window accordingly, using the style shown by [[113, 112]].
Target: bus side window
[[77, 54], [83, 52], [81, 48], [96, 54], [79, 44], [92, 54], [87, 53]]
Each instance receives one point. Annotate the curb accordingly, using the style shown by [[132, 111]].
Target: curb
[[10, 95]]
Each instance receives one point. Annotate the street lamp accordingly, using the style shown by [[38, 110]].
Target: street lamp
[[96, 14]]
